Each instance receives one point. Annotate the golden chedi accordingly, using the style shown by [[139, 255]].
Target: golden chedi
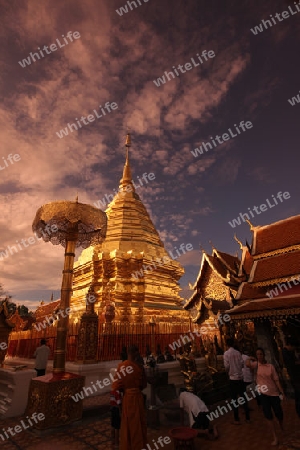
[[131, 272]]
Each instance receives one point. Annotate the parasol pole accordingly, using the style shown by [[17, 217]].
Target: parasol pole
[[65, 300]]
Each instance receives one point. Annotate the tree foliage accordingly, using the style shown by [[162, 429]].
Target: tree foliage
[[12, 307]]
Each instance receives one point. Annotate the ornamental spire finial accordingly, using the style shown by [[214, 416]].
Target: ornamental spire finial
[[128, 140], [238, 241], [127, 178]]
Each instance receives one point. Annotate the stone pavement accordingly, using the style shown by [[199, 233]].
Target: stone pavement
[[94, 432]]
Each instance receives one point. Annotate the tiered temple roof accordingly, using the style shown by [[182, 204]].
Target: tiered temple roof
[[269, 289], [217, 279], [21, 323], [46, 310], [263, 284]]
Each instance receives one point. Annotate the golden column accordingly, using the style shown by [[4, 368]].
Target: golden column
[[72, 225], [66, 293]]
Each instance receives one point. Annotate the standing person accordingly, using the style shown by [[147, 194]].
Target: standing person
[[196, 410], [115, 407], [41, 357], [266, 375], [233, 363], [139, 359], [131, 378], [248, 377], [123, 355], [293, 369]]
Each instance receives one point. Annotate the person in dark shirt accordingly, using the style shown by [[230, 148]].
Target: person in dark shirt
[[293, 369], [123, 355]]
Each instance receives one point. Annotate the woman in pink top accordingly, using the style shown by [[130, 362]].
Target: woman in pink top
[[266, 375]]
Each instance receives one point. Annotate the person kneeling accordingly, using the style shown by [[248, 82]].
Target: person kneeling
[[197, 412]]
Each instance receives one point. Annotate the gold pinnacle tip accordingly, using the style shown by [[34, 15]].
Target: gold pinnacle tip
[[128, 140]]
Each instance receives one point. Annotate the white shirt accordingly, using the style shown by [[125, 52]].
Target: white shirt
[[233, 363], [247, 373], [192, 405], [41, 354]]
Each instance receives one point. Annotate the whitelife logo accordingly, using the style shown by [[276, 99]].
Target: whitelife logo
[[124, 9], [166, 440], [49, 320], [267, 23], [199, 150], [274, 292], [105, 381], [161, 261], [18, 428], [187, 66], [3, 346], [236, 403], [31, 240], [109, 197], [16, 157], [108, 106], [53, 48], [263, 207], [186, 339], [292, 101]]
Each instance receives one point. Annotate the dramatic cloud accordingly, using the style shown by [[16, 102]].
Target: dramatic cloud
[[116, 60]]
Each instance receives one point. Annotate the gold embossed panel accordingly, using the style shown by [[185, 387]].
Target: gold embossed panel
[[54, 400]]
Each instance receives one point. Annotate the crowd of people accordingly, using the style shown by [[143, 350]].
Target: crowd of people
[[128, 414], [244, 370]]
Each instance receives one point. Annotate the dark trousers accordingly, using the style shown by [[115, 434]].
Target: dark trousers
[[246, 383], [270, 405], [237, 390], [297, 397], [40, 372]]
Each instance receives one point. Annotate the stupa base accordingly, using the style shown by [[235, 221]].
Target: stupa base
[[52, 396]]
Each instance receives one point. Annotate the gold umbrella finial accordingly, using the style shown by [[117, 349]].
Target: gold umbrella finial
[[128, 140]]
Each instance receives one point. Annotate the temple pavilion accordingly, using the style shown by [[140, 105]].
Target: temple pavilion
[[214, 291], [263, 289]]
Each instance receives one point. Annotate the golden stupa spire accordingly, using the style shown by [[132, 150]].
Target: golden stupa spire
[[127, 178]]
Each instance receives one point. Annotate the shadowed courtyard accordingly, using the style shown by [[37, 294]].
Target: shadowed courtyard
[[94, 432]]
